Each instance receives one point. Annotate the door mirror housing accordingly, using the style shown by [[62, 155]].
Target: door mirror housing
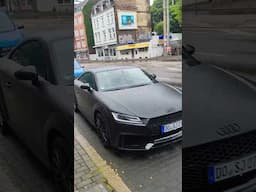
[[28, 73], [86, 86], [20, 27], [190, 49], [153, 76]]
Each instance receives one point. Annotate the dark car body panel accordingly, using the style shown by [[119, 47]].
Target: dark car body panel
[[37, 114]]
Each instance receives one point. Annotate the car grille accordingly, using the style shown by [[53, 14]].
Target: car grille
[[197, 159], [155, 124]]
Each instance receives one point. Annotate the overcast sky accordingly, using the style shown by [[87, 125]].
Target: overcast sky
[[151, 2]]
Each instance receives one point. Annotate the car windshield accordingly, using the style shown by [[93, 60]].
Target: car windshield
[[121, 79], [5, 24], [64, 62]]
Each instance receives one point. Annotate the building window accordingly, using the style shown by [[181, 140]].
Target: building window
[[78, 44], [81, 32], [112, 18], [114, 33], [102, 21], [104, 35], [83, 44], [76, 33], [110, 34]]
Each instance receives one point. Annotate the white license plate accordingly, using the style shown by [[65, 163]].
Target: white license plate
[[231, 169], [171, 126]]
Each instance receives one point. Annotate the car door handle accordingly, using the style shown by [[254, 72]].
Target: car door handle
[[8, 84]]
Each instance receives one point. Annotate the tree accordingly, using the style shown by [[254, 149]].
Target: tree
[[159, 28], [88, 25], [175, 15]]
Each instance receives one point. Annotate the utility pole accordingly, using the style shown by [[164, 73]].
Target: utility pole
[[166, 19]]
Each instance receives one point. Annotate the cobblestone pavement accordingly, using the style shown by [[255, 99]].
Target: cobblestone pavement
[[20, 171], [166, 71], [87, 176]]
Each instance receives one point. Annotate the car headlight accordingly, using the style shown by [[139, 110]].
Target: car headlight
[[128, 119]]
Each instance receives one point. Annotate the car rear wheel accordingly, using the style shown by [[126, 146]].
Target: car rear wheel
[[102, 128], [61, 166]]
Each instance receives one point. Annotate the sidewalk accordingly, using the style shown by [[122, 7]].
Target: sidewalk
[[87, 176], [92, 172], [161, 58]]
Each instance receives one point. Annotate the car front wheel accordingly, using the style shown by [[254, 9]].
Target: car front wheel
[[61, 166], [102, 128]]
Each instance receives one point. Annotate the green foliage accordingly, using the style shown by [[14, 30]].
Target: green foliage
[[159, 28], [175, 16], [88, 25]]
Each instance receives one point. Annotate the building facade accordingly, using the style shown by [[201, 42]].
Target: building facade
[[80, 39], [118, 23], [104, 30]]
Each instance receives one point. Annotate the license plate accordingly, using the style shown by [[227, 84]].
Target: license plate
[[231, 169], [171, 126]]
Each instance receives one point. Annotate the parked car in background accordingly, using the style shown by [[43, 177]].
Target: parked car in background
[[36, 102], [10, 34], [78, 69], [130, 109]]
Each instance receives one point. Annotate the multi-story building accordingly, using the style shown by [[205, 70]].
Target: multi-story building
[[80, 39], [118, 24], [104, 29]]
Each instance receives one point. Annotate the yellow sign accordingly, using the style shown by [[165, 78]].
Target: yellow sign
[[132, 46]]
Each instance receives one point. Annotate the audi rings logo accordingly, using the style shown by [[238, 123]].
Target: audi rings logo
[[229, 129]]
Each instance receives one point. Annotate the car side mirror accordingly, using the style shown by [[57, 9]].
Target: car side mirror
[[20, 27], [86, 86], [190, 49], [28, 73], [153, 76]]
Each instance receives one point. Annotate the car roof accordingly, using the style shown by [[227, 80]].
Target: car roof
[[110, 68]]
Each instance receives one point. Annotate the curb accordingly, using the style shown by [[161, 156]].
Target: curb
[[113, 180]]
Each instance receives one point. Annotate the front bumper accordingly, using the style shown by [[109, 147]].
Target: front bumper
[[143, 138], [195, 161]]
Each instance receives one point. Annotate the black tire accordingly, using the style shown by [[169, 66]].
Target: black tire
[[62, 166], [3, 125], [103, 129]]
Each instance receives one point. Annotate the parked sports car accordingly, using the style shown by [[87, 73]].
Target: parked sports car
[[10, 34], [36, 96], [129, 108]]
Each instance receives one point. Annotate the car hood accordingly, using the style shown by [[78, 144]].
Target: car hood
[[215, 101], [10, 38], [145, 101]]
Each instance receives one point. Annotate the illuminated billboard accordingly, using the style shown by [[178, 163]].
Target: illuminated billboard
[[127, 20]]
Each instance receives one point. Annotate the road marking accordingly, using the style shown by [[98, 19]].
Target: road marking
[[113, 179]]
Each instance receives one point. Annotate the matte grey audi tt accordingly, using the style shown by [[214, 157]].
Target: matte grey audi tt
[[129, 108]]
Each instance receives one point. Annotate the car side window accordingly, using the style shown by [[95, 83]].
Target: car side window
[[32, 53], [88, 78]]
